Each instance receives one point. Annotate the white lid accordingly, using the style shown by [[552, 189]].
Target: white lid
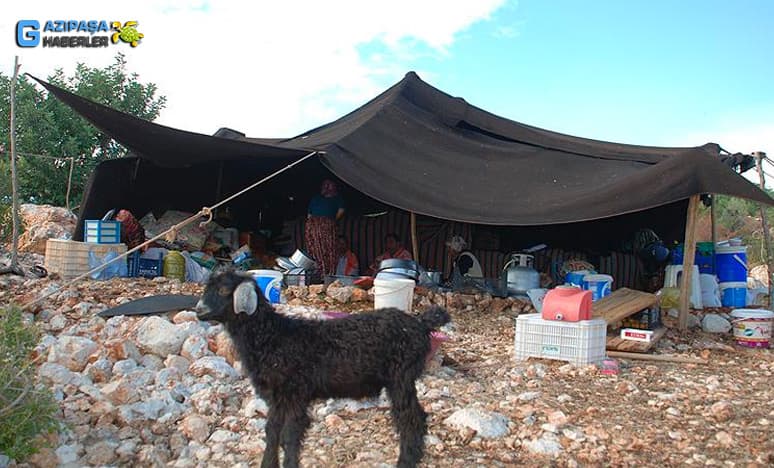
[[597, 278], [752, 313], [730, 248], [733, 284]]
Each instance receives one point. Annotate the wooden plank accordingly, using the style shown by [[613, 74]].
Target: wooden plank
[[616, 343], [657, 357], [689, 254], [622, 303], [414, 238]]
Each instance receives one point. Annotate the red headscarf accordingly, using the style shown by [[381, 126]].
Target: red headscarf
[[329, 189]]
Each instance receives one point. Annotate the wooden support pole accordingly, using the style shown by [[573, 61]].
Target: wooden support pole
[[14, 177], [713, 226], [759, 157], [414, 239], [689, 255]]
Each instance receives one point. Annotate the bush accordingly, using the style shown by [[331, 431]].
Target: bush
[[27, 410]]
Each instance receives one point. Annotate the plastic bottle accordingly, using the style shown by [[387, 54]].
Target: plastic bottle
[[174, 265]]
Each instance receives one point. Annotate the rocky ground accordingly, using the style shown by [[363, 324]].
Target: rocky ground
[[168, 391]]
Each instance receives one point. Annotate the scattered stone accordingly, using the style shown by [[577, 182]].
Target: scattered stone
[[255, 406], [72, 352], [528, 396], [713, 323], [102, 453], [724, 438], [121, 391], [185, 316], [158, 336], [722, 411], [547, 444], [225, 347], [195, 428], [216, 366], [487, 424], [67, 454], [194, 347]]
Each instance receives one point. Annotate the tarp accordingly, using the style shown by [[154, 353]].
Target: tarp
[[416, 148]]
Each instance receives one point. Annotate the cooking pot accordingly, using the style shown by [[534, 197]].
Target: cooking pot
[[398, 268], [398, 263], [391, 273], [302, 260]]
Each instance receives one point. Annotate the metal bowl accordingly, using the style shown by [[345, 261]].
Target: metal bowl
[[398, 263], [302, 260], [285, 263]]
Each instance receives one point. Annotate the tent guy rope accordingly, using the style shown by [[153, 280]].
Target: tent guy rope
[[204, 212]]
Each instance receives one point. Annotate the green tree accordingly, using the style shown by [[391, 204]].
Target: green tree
[[46, 126]]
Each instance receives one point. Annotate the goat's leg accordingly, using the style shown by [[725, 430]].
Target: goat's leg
[[274, 423], [410, 421], [296, 423]]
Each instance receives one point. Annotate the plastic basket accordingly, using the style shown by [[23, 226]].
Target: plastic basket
[[102, 232], [145, 267], [579, 343]]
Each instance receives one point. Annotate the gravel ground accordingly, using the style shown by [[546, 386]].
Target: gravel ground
[[181, 401]]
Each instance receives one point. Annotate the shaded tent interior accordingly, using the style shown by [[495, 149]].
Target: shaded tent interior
[[415, 148]]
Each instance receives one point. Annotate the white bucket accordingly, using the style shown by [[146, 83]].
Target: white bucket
[[599, 285], [752, 327], [270, 282], [394, 292]]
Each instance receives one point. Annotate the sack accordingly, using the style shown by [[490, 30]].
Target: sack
[[113, 270]]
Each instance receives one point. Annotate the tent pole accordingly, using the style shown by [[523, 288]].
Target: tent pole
[[759, 157], [689, 255], [14, 267], [713, 225], [414, 240]]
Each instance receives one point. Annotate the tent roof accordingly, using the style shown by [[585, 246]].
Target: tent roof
[[417, 148]]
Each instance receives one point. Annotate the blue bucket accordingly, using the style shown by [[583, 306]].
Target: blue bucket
[[733, 294], [599, 285], [270, 283], [731, 263]]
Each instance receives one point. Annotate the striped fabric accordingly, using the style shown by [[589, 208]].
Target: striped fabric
[[366, 237]]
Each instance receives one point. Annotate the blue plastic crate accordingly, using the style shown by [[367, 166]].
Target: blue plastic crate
[[96, 231], [145, 267]]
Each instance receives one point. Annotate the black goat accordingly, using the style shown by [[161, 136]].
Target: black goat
[[292, 361]]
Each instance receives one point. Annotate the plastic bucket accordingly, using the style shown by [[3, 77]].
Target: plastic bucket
[[394, 292], [270, 283], [599, 285], [731, 263], [733, 294], [752, 327], [575, 278]]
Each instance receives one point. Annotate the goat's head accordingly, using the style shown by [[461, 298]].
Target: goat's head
[[227, 295]]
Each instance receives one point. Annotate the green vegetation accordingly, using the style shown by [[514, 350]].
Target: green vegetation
[[45, 126], [737, 217], [26, 409]]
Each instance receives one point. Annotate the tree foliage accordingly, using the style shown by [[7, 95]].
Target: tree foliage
[[45, 126]]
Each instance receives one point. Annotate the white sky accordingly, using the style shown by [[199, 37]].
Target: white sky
[[282, 67]]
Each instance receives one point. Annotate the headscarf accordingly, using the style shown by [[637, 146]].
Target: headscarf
[[329, 189], [457, 243]]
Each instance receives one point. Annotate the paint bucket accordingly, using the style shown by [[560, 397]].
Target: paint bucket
[[752, 327], [733, 294], [394, 292], [575, 278], [731, 263], [270, 283], [599, 285]]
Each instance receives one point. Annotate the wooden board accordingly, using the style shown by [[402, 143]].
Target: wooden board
[[616, 343], [622, 303]]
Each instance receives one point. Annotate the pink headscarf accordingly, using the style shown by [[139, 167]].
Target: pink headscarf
[[329, 189]]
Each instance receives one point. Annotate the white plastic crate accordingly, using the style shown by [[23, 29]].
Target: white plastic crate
[[579, 343]]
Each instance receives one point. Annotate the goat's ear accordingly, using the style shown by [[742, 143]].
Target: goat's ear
[[245, 298]]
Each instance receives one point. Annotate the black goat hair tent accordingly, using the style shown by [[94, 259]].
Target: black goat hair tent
[[416, 148]]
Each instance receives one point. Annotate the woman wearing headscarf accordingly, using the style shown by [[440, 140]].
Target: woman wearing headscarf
[[325, 209]]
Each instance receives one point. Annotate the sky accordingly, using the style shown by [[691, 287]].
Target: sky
[[652, 72]]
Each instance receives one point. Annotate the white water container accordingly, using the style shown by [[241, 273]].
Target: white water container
[[394, 292]]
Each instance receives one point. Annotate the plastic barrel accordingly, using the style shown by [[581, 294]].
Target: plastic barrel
[[752, 327], [733, 294], [270, 283], [731, 263], [394, 292]]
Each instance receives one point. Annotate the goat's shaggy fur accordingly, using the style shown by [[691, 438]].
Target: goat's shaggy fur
[[292, 362]]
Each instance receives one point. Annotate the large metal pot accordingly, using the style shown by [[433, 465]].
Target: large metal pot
[[396, 268], [302, 260]]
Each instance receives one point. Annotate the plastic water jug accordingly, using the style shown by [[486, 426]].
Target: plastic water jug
[[567, 304]]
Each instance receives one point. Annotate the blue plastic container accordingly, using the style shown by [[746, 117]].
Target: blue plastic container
[[704, 259], [270, 282], [599, 285], [731, 263], [733, 294], [97, 231]]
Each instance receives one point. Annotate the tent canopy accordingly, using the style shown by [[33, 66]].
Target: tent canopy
[[416, 148]]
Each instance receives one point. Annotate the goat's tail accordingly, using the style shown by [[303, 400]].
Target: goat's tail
[[435, 317]]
